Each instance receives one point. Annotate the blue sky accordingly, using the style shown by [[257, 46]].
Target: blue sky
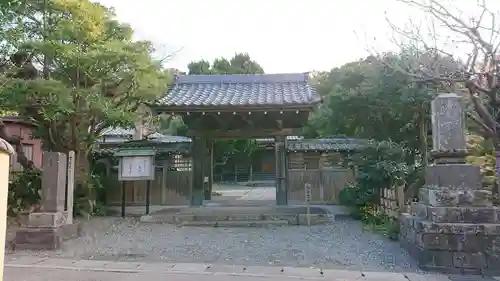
[[283, 36]]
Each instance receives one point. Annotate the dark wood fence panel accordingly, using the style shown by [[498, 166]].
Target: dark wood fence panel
[[326, 184], [177, 187]]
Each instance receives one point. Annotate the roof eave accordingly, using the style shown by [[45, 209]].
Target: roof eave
[[232, 108], [10, 120]]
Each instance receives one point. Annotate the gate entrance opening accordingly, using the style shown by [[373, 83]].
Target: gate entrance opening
[[239, 107]]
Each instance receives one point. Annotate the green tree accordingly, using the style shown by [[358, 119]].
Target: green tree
[[366, 99], [91, 75], [240, 63], [8, 5], [362, 101]]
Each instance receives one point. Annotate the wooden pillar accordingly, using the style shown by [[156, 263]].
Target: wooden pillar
[[164, 191], [235, 168], [281, 171], [250, 177], [198, 152], [208, 169]]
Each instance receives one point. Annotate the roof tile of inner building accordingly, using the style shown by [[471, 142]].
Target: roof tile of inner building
[[155, 137], [117, 131], [335, 144], [241, 90]]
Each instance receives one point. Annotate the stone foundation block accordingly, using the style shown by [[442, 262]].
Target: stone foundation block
[[45, 238], [447, 197], [457, 214], [314, 219], [452, 247], [453, 176], [47, 219]]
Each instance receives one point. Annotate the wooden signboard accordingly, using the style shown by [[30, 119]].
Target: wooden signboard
[[136, 165]]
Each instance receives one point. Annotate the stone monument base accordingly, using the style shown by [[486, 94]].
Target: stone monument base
[[46, 231], [452, 247]]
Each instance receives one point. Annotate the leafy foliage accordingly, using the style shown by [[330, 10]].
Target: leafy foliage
[[240, 63], [24, 191], [73, 70], [482, 155], [379, 166], [395, 116], [393, 109]]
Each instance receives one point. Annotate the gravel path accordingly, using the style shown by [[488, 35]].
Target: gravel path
[[341, 244]]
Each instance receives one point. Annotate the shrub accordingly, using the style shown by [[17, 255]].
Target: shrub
[[24, 191]]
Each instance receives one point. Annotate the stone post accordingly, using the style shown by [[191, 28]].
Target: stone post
[[453, 227], [70, 187], [6, 151], [48, 228], [53, 195]]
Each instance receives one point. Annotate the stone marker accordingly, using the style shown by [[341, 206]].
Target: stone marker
[[454, 227], [48, 228], [70, 187], [448, 123], [53, 182]]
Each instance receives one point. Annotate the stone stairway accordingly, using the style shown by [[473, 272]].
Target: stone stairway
[[241, 216]]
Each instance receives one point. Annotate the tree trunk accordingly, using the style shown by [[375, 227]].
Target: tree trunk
[[83, 188]]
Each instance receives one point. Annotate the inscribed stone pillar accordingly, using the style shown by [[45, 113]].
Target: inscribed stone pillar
[[453, 227], [48, 228], [53, 196], [448, 123], [70, 187]]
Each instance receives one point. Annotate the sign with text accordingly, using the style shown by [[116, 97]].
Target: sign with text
[[308, 192], [136, 165]]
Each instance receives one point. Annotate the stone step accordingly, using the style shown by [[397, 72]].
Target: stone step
[[300, 219], [235, 217], [236, 223]]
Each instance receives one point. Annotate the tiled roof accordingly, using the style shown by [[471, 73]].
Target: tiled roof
[[118, 132], [160, 146], [154, 137], [241, 90], [326, 145], [157, 137], [288, 138]]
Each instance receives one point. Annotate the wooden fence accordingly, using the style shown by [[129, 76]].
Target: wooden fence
[[177, 189], [326, 184], [169, 188], [392, 202]]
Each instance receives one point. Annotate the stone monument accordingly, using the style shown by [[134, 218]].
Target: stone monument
[[49, 227], [453, 228]]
